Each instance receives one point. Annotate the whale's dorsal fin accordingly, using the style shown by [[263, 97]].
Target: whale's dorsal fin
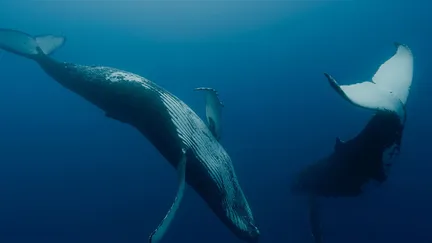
[[213, 111], [163, 226], [389, 88], [339, 144]]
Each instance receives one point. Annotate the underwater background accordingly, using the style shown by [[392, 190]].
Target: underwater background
[[69, 174]]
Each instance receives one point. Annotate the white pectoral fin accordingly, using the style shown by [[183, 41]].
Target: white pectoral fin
[[368, 95], [160, 231], [213, 111]]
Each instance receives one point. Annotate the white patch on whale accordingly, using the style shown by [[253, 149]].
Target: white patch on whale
[[123, 76]]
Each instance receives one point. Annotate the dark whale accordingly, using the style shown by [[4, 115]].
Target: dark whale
[[168, 123], [355, 162], [368, 156]]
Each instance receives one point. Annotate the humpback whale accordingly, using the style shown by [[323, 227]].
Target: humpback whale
[[173, 128], [368, 156]]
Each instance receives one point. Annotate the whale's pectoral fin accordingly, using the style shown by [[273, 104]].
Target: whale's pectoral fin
[[315, 219], [389, 88], [213, 111], [163, 226], [28, 46]]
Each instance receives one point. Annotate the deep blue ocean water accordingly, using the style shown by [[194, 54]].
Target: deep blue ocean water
[[69, 174]]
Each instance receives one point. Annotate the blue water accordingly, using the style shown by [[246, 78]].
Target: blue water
[[69, 174]]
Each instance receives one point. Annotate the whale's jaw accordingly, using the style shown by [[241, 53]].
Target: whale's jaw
[[220, 189]]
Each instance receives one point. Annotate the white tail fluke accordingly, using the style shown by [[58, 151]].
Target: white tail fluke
[[389, 88]]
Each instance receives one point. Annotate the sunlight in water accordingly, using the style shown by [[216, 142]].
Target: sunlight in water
[[168, 20]]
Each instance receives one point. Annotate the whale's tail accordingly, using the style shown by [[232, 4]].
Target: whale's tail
[[29, 46], [389, 88]]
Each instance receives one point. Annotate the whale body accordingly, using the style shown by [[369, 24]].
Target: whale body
[[174, 129], [355, 162]]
